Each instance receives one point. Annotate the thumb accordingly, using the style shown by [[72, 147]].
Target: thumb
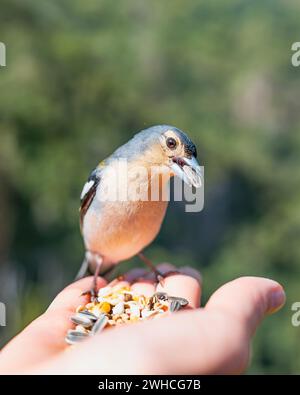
[[248, 299], [72, 296]]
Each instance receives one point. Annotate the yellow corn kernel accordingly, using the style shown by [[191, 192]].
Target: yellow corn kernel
[[105, 307]]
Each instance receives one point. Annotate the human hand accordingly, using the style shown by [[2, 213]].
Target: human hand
[[208, 340]]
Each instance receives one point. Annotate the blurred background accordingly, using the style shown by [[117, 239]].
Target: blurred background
[[83, 76]]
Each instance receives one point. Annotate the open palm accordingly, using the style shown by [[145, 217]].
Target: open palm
[[211, 339]]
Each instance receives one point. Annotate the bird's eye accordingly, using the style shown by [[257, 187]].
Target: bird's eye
[[171, 143]]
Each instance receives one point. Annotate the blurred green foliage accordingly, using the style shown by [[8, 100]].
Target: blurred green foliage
[[83, 76]]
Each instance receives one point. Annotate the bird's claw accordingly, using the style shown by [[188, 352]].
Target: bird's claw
[[92, 293], [160, 277]]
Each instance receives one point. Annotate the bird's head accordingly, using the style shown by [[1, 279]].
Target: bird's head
[[165, 145]]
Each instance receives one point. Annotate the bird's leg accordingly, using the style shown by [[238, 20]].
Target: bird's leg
[[96, 274], [93, 292], [159, 276]]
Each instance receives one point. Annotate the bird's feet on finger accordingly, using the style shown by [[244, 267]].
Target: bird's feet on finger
[[91, 293]]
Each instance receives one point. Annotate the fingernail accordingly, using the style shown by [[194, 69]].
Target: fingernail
[[277, 300]]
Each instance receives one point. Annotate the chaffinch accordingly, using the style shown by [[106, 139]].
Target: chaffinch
[[123, 202]]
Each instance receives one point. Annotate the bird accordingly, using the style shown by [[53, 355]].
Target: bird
[[115, 222]]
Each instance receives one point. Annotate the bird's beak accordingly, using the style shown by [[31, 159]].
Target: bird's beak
[[188, 169]]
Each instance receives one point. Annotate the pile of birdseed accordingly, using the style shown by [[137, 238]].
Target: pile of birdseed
[[117, 305]]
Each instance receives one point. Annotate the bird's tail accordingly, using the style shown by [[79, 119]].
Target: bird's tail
[[84, 269]]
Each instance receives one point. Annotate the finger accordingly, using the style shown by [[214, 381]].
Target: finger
[[146, 285], [222, 338], [207, 343], [45, 335], [183, 286], [190, 271], [248, 299], [153, 347], [118, 283], [162, 268], [71, 297], [134, 274]]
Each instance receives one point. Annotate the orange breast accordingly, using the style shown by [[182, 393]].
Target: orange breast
[[122, 229]]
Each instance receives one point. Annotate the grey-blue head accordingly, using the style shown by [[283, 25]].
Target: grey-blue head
[[164, 145]]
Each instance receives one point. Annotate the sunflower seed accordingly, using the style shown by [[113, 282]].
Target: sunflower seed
[[80, 328], [160, 296], [74, 337], [73, 332], [183, 302], [81, 319], [99, 324], [89, 314], [193, 176], [175, 306]]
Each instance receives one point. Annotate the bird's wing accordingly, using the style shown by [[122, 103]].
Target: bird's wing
[[88, 193]]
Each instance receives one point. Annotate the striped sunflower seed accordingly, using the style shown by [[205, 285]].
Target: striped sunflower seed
[[99, 324], [175, 305], [82, 319], [183, 302], [89, 314], [74, 337], [160, 296]]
